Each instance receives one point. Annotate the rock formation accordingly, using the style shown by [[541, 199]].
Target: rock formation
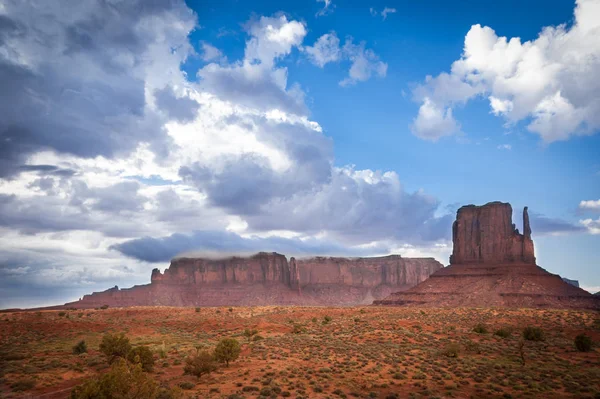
[[486, 234], [574, 283], [492, 265], [270, 279]]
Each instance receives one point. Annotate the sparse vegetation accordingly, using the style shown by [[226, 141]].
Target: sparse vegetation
[[390, 351], [583, 343], [200, 363], [480, 329], [80, 348], [228, 350], [533, 334], [503, 332], [451, 350], [142, 355], [115, 346], [122, 381], [23, 385]]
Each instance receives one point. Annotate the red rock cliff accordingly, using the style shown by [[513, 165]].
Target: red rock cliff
[[486, 234], [269, 279]]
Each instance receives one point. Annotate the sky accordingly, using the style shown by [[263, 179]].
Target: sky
[[135, 131]]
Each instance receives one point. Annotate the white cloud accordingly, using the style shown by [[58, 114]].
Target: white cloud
[[590, 205], [210, 53], [433, 122], [550, 81], [327, 8], [507, 147], [256, 80], [364, 62], [384, 13], [326, 49], [592, 225], [387, 11], [499, 106]]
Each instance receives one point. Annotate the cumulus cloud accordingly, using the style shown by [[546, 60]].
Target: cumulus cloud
[[591, 205], [256, 80], [593, 226], [506, 147], [210, 52], [550, 82], [364, 63], [433, 122], [46, 104], [325, 50]]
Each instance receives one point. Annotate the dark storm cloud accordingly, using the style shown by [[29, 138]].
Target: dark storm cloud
[[48, 170], [163, 249], [183, 109], [73, 81], [107, 209]]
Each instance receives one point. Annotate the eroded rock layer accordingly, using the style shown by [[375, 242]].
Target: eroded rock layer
[[492, 265], [270, 279]]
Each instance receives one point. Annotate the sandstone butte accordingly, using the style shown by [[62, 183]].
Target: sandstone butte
[[269, 279], [492, 265]]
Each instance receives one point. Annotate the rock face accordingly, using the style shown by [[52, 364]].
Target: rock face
[[486, 234], [574, 283], [270, 279], [492, 265]]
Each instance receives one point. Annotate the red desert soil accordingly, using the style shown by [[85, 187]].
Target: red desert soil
[[361, 352]]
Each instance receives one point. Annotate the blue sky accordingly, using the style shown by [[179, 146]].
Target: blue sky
[[143, 131]]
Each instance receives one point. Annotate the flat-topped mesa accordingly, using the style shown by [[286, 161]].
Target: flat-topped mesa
[[263, 268], [486, 234], [268, 278]]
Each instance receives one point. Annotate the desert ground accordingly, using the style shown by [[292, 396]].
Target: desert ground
[[314, 352]]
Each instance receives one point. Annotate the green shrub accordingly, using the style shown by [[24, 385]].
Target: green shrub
[[583, 343], [227, 350], [142, 355], [200, 363], [62, 314], [298, 329], [503, 332], [103, 307], [326, 320], [480, 329], [250, 388], [451, 350], [122, 381], [533, 334], [197, 310], [115, 346], [22, 385], [248, 333], [257, 338], [186, 385], [80, 348]]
